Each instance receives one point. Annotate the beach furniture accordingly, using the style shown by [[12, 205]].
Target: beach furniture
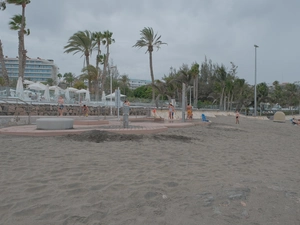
[[54, 123], [279, 117], [204, 118]]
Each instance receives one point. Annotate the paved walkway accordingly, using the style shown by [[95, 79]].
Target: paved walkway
[[112, 125]]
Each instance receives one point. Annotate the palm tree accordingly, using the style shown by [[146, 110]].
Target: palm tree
[[107, 40], [186, 77], [22, 50], [221, 77], [16, 24], [59, 76], [90, 73], [292, 94], [150, 40], [69, 78], [239, 87], [2, 5], [3, 67], [81, 42], [164, 88], [229, 87], [206, 79], [124, 80], [277, 92], [97, 39], [195, 75]]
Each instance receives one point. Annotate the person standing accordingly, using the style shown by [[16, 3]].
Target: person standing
[[170, 111], [189, 111], [60, 105], [237, 117], [126, 103], [85, 110], [154, 112], [173, 110]]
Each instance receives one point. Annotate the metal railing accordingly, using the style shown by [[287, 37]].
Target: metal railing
[[12, 100]]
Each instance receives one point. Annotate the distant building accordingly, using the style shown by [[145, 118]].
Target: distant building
[[35, 69], [135, 83]]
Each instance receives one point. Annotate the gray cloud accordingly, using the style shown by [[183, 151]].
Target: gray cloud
[[224, 31]]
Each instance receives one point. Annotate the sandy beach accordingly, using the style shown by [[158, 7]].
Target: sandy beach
[[223, 173]]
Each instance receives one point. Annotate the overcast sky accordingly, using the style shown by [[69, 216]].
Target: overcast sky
[[222, 30]]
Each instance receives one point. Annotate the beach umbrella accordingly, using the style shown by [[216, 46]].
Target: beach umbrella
[[113, 95], [67, 94], [56, 91], [52, 88], [37, 86], [87, 95], [72, 89], [81, 91], [28, 93], [28, 82], [20, 89], [103, 96], [12, 92], [46, 93]]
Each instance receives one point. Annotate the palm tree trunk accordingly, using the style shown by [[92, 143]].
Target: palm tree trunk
[[152, 75], [221, 98], [231, 101], [87, 59], [98, 76], [3, 67], [103, 79], [22, 51], [228, 102], [20, 54], [196, 91], [105, 66]]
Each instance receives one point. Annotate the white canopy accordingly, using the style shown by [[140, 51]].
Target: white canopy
[[37, 86], [72, 89], [52, 88], [113, 95], [28, 82], [81, 91], [56, 90]]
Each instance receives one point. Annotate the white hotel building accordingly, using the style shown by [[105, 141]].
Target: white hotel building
[[135, 83], [35, 70]]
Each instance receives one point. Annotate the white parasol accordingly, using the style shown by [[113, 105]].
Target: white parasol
[[20, 89], [87, 96], [67, 94], [46, 93]]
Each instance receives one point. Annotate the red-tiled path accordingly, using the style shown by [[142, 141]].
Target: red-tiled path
[[115, 126]]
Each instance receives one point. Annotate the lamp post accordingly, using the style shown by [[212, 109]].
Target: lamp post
[[255, 107], [111, 89]]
